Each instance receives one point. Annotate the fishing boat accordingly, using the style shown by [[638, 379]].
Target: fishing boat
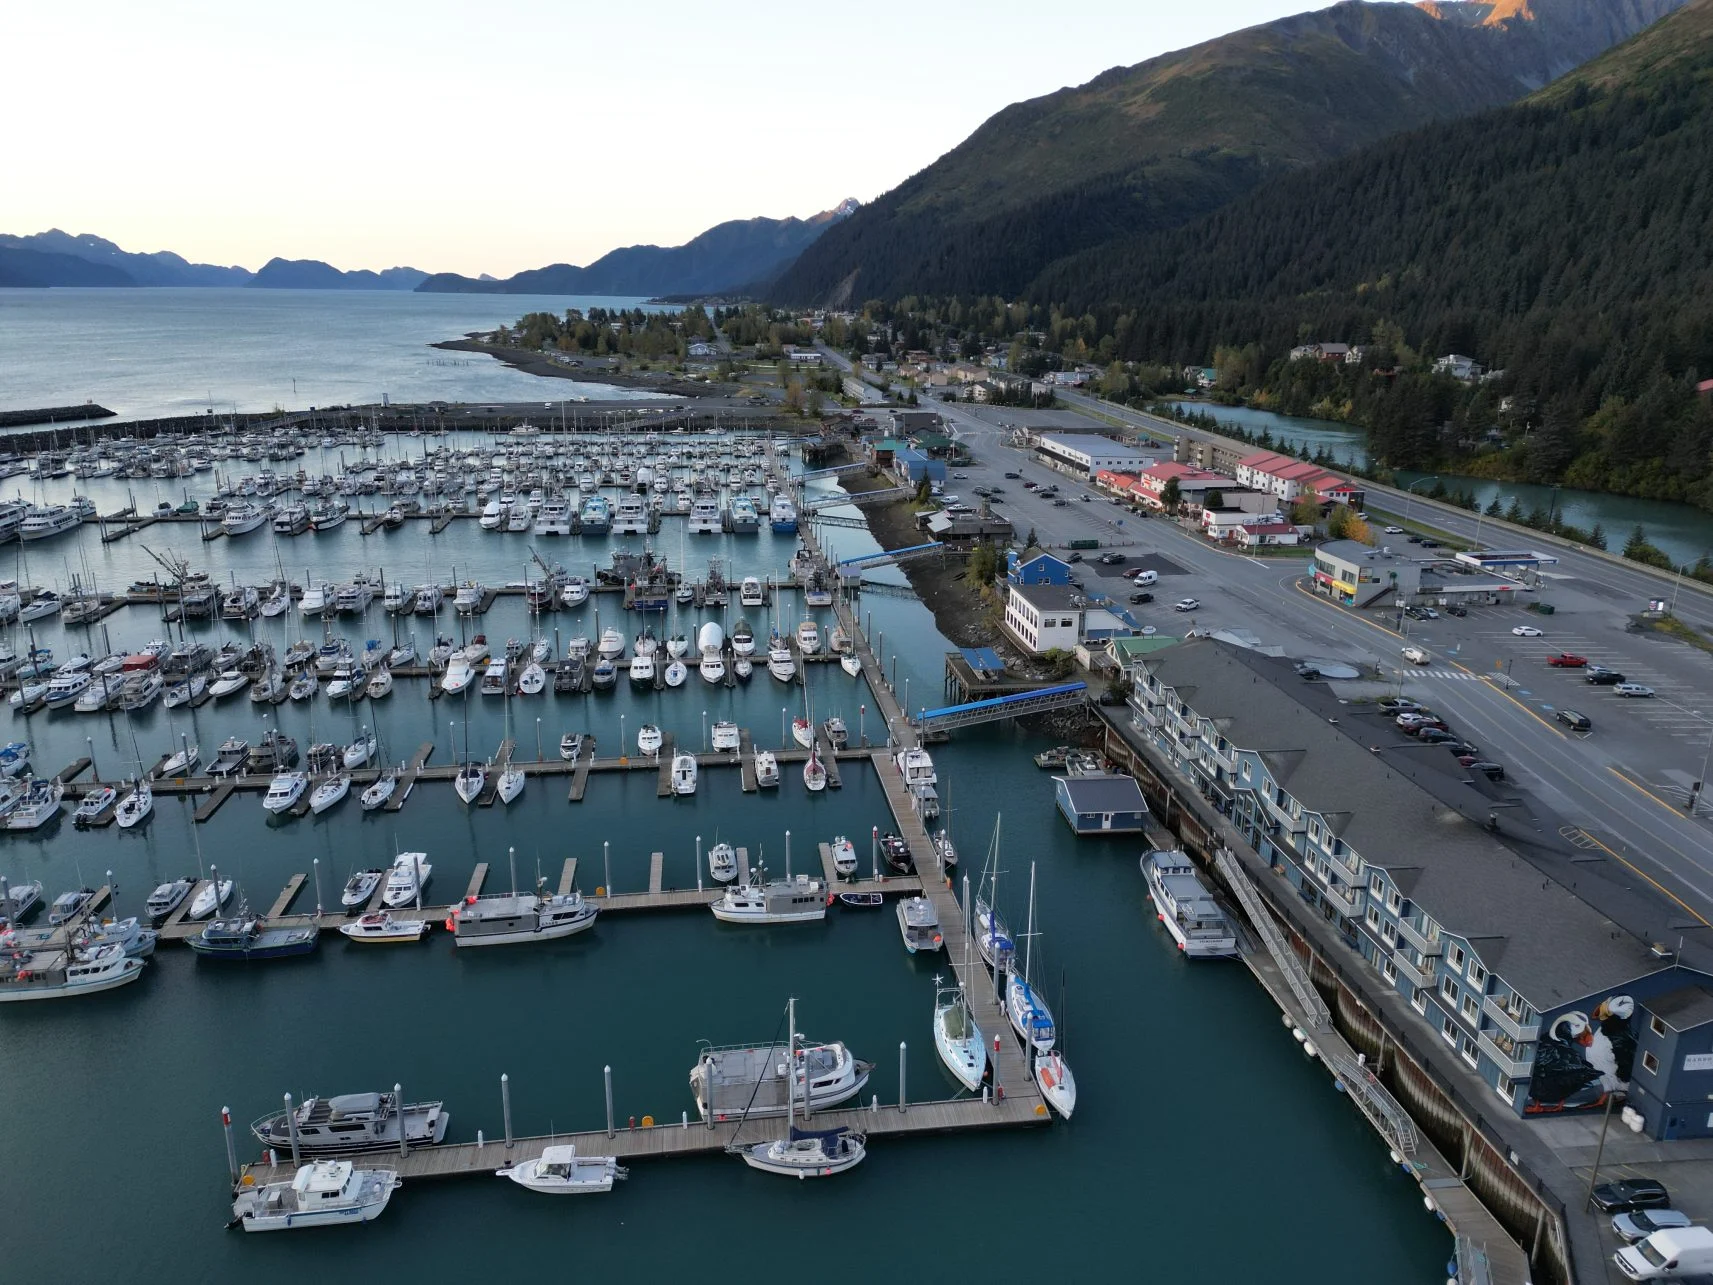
[[838, 735], [284, 790], [19, 901], [1024, 1005], [230, 758], [213, 894], [405, 881], [722, 862], [353, 1122], [128, 934], [895, 850], [1185, 906], [382, 927], [494, 678], [69, 905], [642, 669], [919, 924], [844, 855], [649, 740], [513, 919], [790, 901], [560, 1171], [247, 937], [766, 769], [683, 773], [957, 1038], [360, 887], [167, 897], [64, 974], [93, 804], [38, 804], [135, 807], [324, 1193]]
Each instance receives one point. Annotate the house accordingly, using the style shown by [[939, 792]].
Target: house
[[702, 349], [1044, 617], [1100, 804], [1458, 367], [964, 529], [1290, 479], [1501, 962], [1086, 454], [1032, 566], [914, 465], [883, 451], [1115, 483], [1254, 534], [1068, 378], [1321, 352]]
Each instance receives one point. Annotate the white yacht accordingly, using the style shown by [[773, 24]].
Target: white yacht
[[630, 517], [64, 689], [781, 664], [574, 592], [510, 920], [409, 875], [322, 1193], [642, 669], [51, 520], [844, 855], [284, 790], [726, 736], [648, 740], [317, 598], [243, 517], [797, 901], [382, 927], [560, 1171], [705, 517], [916, 766], [730, 1083], [766, 769], [683, 773], [712, 668], [808, 637], [611, 646], [750, 592], [1186, 907], [723, 862]]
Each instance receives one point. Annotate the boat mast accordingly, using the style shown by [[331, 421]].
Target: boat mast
[[1029, 936]]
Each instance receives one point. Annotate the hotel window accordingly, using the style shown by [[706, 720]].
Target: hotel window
[[1390, 934], [1395, 901], [1375, 885], [1388, 970], [1454, 957], [1467, 1049], [1471, 1009], [1448, 990], [1418, 1000], [1650, 1064], [1477, 975], [1656, 1026], [1314, 829], [1448, 1029], [1373, 917], [1505, 1088]]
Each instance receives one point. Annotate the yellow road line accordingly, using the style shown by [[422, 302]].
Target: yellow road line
[[1634, 784], [1633, 869]]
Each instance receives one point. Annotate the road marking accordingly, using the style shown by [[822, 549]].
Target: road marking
[[1696, 914]]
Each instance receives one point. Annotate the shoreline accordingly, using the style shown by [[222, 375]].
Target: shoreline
[[530, 363]]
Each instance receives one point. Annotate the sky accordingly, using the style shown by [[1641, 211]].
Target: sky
[[509, 134]]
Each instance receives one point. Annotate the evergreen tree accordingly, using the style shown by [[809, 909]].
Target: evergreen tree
[[1597, 537]]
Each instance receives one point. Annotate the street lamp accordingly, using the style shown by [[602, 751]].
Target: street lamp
[[1410, 493]]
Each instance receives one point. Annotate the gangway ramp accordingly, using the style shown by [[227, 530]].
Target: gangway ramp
[[885, 558], [996, 708]]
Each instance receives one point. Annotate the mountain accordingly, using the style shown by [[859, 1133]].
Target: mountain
[[1561, 240], [727, 257], [1155, 145], [313, 274], [124, 268], [37, 268]]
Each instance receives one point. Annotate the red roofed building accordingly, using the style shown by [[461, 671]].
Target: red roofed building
[[1705, 388], [1253, 534], [1117, 483], [1193, 483], [1291, 479]]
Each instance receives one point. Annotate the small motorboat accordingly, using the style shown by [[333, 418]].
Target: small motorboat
[[406, 880], [862, 900], [69, 905], [766, 769], [93, 805], [321, 1194], [571, 746], [649, 740], [844, 856], [560, 1171], [360, 887], [383, 927], [808, 1153], [723, 862], [228, 682], [167, 897], [726, 736], [284, 790], [683, 773]]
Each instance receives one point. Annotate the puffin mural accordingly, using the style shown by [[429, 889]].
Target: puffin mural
[[1583, 1059]]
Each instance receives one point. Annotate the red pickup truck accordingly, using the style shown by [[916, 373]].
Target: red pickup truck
[[1565, 660]]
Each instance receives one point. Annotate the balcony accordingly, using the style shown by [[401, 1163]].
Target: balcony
[[1421, 974], [1421, 941], [1522, 1032], [1282, 813], [1507, 1062], [1346, 900]]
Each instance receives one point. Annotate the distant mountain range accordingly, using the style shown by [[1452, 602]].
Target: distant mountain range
[[728, 257], [1150, 147]]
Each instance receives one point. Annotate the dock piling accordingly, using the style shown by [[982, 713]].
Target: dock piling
[[607, 864], [998, 1089], [788, 856], [231, 1152], [607, 1075], [291, 1126], [315, 867], [903, 1103], [698, 863], [398, 1103], [506, 1106]]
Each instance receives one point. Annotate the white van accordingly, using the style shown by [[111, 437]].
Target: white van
[[1144, 578], [1416, 656], [1667, 1255]]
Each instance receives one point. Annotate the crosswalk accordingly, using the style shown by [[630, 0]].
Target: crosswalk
[[1446, 673]]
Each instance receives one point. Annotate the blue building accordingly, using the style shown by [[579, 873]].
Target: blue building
[[916, 465], [1549, 1003], [1100, 804], [1035, 567]]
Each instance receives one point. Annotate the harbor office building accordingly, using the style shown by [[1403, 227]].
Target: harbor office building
[[1085, 454], [1553, 1006]]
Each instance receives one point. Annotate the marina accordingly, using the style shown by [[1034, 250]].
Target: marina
[[634, 852]]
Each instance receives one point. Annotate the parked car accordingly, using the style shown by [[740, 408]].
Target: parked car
[[958, 477], [1566, 660], [1412, 719], [1431, 544], [1398, 705], [1457, 611], [1603, 677], [1014, 475], [1525, 631], [1142, 596], [1058, 502], [1574, 721], [1463, 749], [1633, 689], [1433, 735], [1075, 557], [1111, 559], [1492, 771], [1029, 486], [1631, 1193], [1415, 539], [1394, 530], [1638, 1223], [1186, 604]]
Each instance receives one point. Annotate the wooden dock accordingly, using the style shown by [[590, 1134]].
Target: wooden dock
[[288, 894], [656, 865], [568, 877], [663, 781], [829, 759], [407, 779], [72, 770], [222, 792], [580, 770], [477, 878], [746, 760]]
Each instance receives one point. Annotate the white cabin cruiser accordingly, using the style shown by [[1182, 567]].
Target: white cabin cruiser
[[560, 1171], [323, 1193]]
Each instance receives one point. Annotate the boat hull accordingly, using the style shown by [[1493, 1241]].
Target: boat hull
[[23, 993]]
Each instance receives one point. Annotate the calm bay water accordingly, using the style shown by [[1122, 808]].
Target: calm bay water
[[1205, 1145], [1683, 531], [161, 352]]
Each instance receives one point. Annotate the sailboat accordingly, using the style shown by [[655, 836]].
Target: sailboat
[[135, 806], [814, 771], [473, 775], [511, 779], [1029, 1014], [802, 1153], [992, 938], [956, 1036], [1053, 1074]]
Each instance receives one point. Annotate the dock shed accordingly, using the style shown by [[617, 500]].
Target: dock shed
[[1101, 804]]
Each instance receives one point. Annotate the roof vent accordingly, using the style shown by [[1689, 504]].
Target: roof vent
[[1659, 950]]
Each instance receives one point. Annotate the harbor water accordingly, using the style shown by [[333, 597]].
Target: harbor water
[[1683, 531]]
